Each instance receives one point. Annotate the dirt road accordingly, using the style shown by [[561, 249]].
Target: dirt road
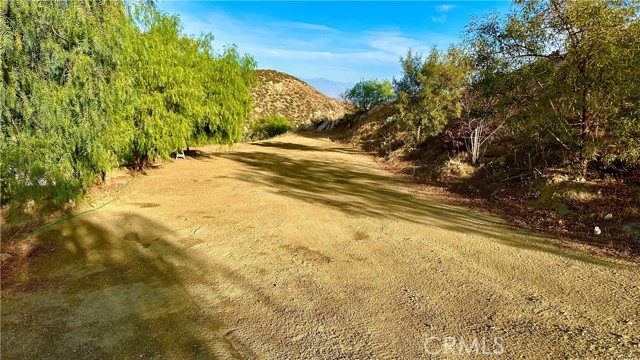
[[299, 248]]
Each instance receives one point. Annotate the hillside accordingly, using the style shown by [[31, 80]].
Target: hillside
[[283, 94]]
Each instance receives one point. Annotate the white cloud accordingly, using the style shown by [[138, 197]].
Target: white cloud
[[445, 8], [313, 50], [442, 9], [394, 44], [306, 26]]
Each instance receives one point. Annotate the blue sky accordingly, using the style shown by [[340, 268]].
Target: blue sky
[[339, 41]]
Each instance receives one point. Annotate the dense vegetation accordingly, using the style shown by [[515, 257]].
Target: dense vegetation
[[428, 92], [553, 83], [269, 126], [90, 85], [565, 74], [368, 93]]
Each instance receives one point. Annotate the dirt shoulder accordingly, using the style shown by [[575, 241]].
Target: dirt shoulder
[[601, 215], [303, 248], [505, 200]]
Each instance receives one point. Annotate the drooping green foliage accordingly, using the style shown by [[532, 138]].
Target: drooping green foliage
[[87, 84], [269, 126], [229, 98], [165, 96], [58, 96], [183, 91], [368, 93], [428, 91], [566, 73]]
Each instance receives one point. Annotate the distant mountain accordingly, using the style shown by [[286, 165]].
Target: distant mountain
[[330, 88], [285, 95]]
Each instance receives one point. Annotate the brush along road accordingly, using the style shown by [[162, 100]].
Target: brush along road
[[299, 248]]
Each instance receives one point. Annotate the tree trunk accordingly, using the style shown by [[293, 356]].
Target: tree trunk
[[475, 144], [137, 160]]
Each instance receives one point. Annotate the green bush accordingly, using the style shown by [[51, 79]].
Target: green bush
[[368, 93], [269, 126]]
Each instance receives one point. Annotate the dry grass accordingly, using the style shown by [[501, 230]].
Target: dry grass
[[282, 94]]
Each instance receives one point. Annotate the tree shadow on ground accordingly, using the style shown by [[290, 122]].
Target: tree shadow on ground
[[198, 154], [302, 147], [356, 190], [90, 290]]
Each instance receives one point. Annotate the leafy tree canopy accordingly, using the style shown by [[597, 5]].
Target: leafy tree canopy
[[429, 89], [368, 93], [566, 72]]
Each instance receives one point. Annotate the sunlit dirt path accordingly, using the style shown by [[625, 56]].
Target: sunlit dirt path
[[299, 248]]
